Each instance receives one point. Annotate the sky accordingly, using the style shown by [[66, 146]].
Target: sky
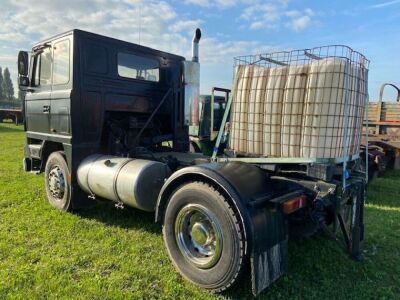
[[230, 28]]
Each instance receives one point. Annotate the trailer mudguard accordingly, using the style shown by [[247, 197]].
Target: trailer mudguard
[[265, 227]]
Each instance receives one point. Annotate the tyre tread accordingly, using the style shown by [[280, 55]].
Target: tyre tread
[[239, 228]]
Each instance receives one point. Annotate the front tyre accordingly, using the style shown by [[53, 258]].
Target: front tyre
[[57, 176], [204, 236]]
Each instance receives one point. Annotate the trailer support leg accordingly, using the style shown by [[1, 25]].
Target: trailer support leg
[[344, 230]]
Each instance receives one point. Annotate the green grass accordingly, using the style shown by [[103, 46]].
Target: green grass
[[104, 253]]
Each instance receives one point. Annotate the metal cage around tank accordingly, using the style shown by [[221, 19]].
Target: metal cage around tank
[[353, 69], [350, 119]]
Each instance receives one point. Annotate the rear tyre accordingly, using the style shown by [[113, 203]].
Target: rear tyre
[[57, 181], [204, 236]]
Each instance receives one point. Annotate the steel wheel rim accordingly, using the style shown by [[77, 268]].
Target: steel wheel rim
[[198, 235], [56, 183]]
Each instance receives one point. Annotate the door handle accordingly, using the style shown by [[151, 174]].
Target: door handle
[[46, 109]]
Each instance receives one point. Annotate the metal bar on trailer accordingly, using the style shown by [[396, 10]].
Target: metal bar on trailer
[[346, 121], [288, 160], [344, 230], [310, 55], [272, 61], [390, 123]]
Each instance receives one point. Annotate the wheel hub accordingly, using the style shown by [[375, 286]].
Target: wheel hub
[[56, 183], [198, 235]]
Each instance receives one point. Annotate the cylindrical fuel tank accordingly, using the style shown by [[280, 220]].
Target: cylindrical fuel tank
[[134, 182]]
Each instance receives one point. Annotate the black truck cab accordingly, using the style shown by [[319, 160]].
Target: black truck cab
[[96, 90]]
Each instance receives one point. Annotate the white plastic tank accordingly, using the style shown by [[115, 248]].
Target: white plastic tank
[[362, 104], [323, 122], [244, 75], [299, 110], [357, 107], [234, 119], [352, 108], [256, 111], [273, 111], [292, 111]]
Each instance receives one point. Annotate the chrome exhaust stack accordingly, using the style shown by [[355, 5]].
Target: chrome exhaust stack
[[191, 73], [195, 45]]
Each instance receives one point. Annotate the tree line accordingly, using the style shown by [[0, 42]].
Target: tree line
[[7, 98]]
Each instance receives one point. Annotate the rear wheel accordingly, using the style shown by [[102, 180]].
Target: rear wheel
[[57, 176], [204, 236]]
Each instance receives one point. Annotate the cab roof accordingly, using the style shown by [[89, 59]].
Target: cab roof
[[106, 39]]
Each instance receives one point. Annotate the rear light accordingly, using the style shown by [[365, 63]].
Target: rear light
[[294, 204]]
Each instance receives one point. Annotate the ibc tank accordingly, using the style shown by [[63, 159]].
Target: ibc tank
[[292, 111], [357, 108], [234, 120], [240, 108], [135, 182], [256, 111], [323, 122], [273, 111]]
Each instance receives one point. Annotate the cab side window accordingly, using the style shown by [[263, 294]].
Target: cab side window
[[42, 74], [138, 67], [45, 67], [61, 63]]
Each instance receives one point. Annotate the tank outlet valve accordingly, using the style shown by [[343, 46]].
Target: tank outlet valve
[[119, 205]]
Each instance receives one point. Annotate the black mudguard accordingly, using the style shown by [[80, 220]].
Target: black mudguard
[[265, 227]]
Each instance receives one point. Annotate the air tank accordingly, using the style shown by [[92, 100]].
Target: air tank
[[134, 182]]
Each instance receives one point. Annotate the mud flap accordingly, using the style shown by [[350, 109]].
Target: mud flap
[[269, 255], [268, 266]]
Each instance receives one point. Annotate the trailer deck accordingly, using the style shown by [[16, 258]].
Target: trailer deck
[[382, 131], [15, 114]]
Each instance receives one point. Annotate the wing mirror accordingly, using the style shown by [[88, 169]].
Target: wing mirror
[[23, 67]]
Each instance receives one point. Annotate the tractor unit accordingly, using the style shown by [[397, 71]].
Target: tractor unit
[[108, 119]]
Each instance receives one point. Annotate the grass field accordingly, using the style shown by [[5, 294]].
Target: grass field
[[104, 253]]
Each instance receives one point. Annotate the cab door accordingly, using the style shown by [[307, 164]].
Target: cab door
[[37, 98], [60, 121]]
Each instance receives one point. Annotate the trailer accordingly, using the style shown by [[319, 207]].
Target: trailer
[[107, 119], [16, 115], [382, 133]]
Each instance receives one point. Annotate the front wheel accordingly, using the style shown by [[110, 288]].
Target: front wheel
[[57, 176], [204, 236]]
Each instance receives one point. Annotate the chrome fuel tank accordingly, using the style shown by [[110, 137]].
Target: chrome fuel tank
[[134, 182]]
